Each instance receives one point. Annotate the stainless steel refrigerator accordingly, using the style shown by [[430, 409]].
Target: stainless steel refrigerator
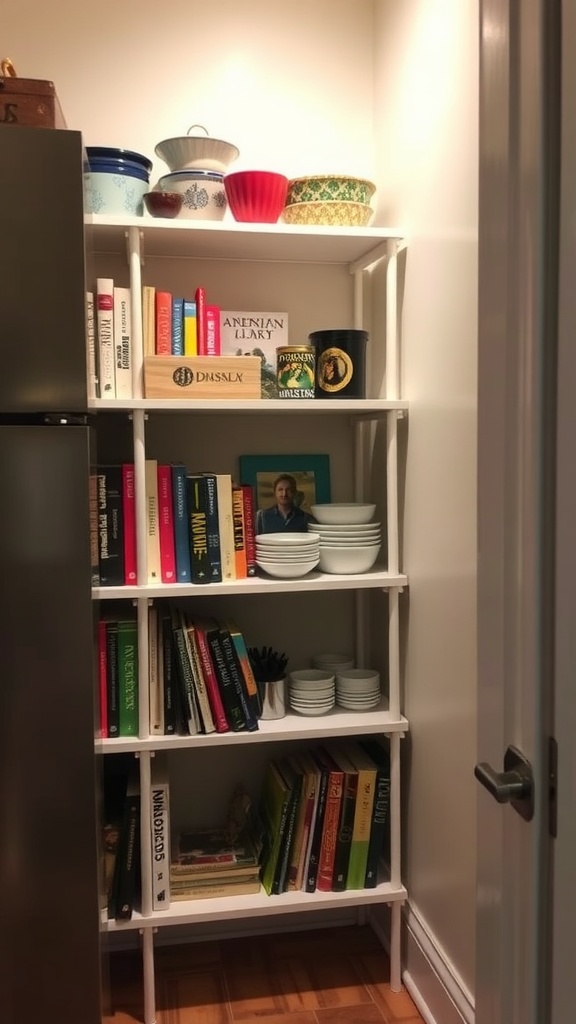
[[49, 910], [527, 513]]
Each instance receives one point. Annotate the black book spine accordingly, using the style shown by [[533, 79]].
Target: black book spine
[[129, 852], [232, 705], [237, 676], [197, 497], [186, 679], [170, 704], [112, 679], [380, 827], [280, 874], [313, 863], [110, 526], [345, 829], [214, 553]]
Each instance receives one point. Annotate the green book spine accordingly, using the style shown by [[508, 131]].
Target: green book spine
[[128, 677]]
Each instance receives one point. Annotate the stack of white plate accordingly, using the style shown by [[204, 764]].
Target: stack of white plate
[[358, 689], [287, 555], [311, 691], [349, 540]]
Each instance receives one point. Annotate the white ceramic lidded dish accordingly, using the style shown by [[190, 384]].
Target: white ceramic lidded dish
[[203, 193], [197, 152]]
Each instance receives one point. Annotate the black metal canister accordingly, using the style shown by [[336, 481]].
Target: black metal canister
[[340, 363]]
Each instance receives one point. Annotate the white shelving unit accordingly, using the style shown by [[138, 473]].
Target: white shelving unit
[[358, 249]]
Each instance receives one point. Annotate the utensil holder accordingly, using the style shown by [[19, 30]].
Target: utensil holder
[[273, 695]]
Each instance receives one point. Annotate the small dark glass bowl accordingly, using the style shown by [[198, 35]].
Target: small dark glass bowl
[[163, 204]]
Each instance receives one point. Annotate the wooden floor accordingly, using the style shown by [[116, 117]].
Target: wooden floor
[[328, 976]]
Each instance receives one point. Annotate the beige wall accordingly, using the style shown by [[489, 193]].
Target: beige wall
[[427, 135]]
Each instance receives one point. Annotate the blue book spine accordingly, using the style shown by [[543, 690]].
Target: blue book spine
[[181, 530], [177, 326]]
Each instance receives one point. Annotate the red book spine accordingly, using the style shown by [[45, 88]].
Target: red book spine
[[330, 831], [166, 525], [200, 298], [163, 345], [129, 516], [211, 680], [212, 330], [249, 528], [102, 680]]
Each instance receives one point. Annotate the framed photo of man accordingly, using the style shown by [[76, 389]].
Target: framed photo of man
[[285, 488]]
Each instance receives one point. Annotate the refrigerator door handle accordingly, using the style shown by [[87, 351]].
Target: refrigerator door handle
[[515, 785]]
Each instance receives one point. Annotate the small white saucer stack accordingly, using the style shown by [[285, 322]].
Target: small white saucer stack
[[287, 555], [358, 689]]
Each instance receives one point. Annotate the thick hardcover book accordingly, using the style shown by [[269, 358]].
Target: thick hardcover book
[[185, 677], [362, 814], [128, 676], [105, 334], [306, 765], [155, 675], [209, 853], [346, 823], [255, 333], [238, 681], [112, 683], [149, 320], [129, 515], [241, 887], [128, 863], [274, 810], [102, 680], [380, 828], [201, 691], [114, 783], [210, 678], [197, 499], [110, 526], [226, 525], [317, 825], [240, 560], [249, 509], [123, 342], [213, 524], [92, 359], [177, 326], [181, 524], [331, 820], [230, 699], [153, 562], [294, 778], [245, 666], [166, 525], [169, 678], [190, 329], [160, 825], [163, 323], [212, 330], [200, 297]]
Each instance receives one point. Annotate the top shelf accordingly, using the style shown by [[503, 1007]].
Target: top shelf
[[284, 243]]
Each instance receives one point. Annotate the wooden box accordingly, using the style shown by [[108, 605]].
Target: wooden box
[[29, 101], [192, 377]]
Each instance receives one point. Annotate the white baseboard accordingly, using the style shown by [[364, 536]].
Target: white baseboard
[[431, 979]]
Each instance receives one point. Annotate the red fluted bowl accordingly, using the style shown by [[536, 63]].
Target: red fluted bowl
[[256, 196]]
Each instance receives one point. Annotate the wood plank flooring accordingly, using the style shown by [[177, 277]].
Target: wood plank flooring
[[326, 976]]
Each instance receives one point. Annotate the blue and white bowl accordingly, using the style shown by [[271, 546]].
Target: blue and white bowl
[[115, 180], [203, 193]]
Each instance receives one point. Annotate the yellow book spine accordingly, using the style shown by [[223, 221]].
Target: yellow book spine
[[190, 335]]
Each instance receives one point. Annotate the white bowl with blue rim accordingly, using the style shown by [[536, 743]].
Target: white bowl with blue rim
[[115, 180], [203, 193]]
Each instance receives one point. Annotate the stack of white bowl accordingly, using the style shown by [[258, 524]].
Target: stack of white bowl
[[349, 539], [358, 689], [311, 691], [287, 555]]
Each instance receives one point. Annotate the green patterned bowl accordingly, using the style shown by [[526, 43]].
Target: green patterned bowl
[[322, 188]]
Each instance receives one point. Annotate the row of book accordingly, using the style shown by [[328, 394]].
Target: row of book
[[322, 823], [200, 675], [200, 527], [172, 324], [326, 817]]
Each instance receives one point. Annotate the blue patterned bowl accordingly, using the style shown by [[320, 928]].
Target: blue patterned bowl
[[117, 191], [203, 193]]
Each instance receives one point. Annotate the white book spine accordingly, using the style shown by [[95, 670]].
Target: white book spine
[[93, 389], [105, 329], [160, 824], [123, 342], [226, 525]]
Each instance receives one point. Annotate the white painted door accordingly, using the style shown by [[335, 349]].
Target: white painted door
[[517, 395]]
